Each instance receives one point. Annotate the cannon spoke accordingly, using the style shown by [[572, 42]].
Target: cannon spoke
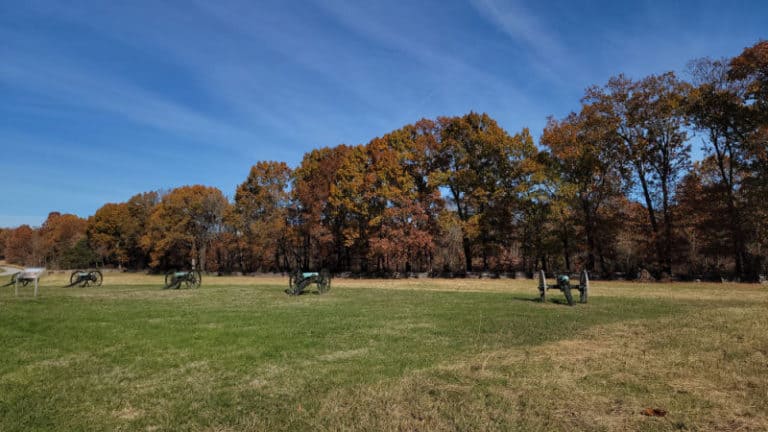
[[170, 280], [324, 282], [74, 278], [193, 279], [97, 278], [294, 281]]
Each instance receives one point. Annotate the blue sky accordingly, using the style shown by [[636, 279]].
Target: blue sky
[[102, 100]]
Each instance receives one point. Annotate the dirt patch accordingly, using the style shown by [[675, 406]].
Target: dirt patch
[[128, 413]]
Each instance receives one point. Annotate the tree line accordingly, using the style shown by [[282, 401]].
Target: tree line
[[611, 187]]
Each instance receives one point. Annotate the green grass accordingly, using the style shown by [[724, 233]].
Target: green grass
[[240, 357]]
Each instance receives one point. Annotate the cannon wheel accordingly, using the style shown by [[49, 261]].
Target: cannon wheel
[[16, 278], [74, 277], [324, 282], [584, 287], [13, 279], [568, 296], [96, 277], [194, 279], [294, 279], [170, 280]]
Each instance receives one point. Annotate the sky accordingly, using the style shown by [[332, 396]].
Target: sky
[[102, 100]]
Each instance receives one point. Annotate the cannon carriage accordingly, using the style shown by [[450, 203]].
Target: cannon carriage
[[298, 281], [25, 277], [18, 279], [564, 284], [84, 278], [191, 279]]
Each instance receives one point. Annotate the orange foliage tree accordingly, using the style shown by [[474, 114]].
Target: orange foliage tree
[[58, 234], [182, 226], [587, 173], [317, 228], [486, 172], [20, 246], [115, 230], [259, 217]]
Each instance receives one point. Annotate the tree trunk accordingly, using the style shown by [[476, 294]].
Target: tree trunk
[[201, 254], [651, 214], [667, 267], [566, 250], [467, 254], [589, 231]]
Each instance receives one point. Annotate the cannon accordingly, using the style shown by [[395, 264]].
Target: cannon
[[174, 279], [298, 281], [564, 285], [84, 278], [16, 277]]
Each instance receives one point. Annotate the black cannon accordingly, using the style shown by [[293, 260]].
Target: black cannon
[[84, 278], [16, 277], [174, 279], [298, 281], [564, 285]]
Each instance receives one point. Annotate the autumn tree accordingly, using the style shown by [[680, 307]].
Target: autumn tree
[[4, 234], [717, 110], [751, 67], [708, 231], [484, 171], [183, 224], [19, 246], [140, 208], [407, 224], [260, 215], [387, 201], [115, 230], [110, 230], [648, 118], [58, 234], [587, 174], [318, 228]]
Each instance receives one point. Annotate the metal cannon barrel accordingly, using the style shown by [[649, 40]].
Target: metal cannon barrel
[[298, 281], [191, 279], [564, 285]]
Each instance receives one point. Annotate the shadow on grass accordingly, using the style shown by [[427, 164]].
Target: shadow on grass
[[538, 300]]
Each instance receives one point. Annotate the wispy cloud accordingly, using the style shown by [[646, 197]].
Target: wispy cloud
[[80, 88], [451, 77], [522, 26], [546, 52], [227, 68]]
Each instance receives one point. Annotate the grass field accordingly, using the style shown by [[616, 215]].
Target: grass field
[[240, 355]]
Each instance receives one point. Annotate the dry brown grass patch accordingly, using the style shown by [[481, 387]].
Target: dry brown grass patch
[[707, 370]]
